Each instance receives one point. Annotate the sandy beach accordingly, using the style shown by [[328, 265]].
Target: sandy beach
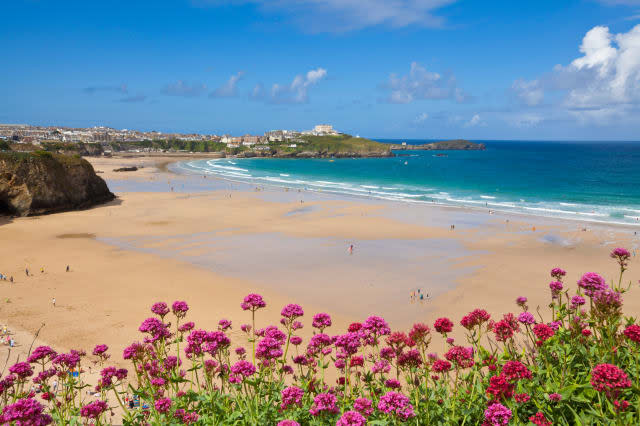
[[210, 242]]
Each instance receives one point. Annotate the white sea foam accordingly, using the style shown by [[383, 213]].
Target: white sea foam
[[487, 197]]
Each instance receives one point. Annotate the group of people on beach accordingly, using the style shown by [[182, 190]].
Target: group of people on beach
[[418, 296], [7, 339]]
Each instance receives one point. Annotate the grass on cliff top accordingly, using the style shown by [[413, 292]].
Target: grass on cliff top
[[39, 155], [341, 143]]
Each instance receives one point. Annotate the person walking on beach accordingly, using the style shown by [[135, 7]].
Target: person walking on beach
[[42, 270], [53, 301], [26, 271], [67, 268], [11, 279], [350, 249]]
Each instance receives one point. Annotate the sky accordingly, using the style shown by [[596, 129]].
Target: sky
[[420, 69]]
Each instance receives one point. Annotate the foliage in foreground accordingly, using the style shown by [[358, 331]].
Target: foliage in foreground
[[580, 366]]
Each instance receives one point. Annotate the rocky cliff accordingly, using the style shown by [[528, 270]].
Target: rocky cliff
[[41, 182]]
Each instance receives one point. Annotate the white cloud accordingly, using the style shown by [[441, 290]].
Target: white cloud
[[421, 84], [181, 88], [529, 92], [421, 118], [475, 121], [348, 15], [298, 91], [229, 89], [598, 87]]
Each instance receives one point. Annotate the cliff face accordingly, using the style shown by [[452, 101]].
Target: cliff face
[[40, 183]]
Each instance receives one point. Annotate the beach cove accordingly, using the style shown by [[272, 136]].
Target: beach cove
[[211, 241]]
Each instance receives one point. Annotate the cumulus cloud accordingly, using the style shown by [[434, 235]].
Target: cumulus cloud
[[421, 84], [181, 88], [601, 85], [229, 89], [297, 92], [348, 15]]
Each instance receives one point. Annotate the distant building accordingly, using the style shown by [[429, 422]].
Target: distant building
[[324, 128]]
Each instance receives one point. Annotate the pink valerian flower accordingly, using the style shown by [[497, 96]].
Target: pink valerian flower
[[363, 406], [607, 303], [632, 332], [381, 366], [526, 318], [161, 309], [291, 396], [187, 326], [156, 328], [506, 327], [621, 405], [411, 358], [500, 387], [292, 311], [558, 273], [108, 374], [461, 356], [321, 321], [397, 405], [577, 301], [288, 423], [68, 361], [243, 368], [420, 334], [40, 353], [392, 384], [522, 302], [441, 366], [22, 370], [497, 415], [324, 403], [621, 255], [586, 332], [94, 409], [269, 348], [609, 379], [100, 350], [556, 288], [25, 412], [475, 318], [515, 371], [246, 328], [349, 342], [162, 405], [295, 340], [543, 332], [135, 351], [351, 418], [555, 325], [375, 327], [521, 397], [318, 342], [592, 283], [539, 419], [555, 397], [179, 308], [252, 302], [443, 325], [224, 324], [42, 377]]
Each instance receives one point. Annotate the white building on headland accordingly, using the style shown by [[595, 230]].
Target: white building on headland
[[324, 129]]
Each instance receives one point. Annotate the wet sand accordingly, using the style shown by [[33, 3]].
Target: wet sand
[[210, 242]]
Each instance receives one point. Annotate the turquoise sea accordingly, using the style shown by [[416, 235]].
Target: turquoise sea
[[587, 181]]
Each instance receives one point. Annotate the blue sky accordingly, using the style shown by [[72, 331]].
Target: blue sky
[[431, 69]]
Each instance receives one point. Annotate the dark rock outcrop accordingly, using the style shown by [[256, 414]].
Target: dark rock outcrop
[[453, 145], [41, 182], [126, 169]]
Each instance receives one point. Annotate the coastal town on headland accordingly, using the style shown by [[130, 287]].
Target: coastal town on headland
[[321, 141]]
